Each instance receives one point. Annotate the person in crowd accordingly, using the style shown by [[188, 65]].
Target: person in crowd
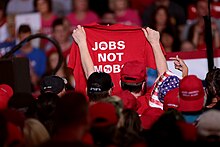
[[53, 84], [191, 98], [6, 92], [60, 8], [165, 131], [17, 6], [60, 32], [124, 14], [3, 22], [23, 103], [212, 88], [194, 31], [161, 20], [176, 13], [36, 56], [131, 121], [108, 18], [34, 133], [187, 46], [170, 41], [103, 123], [71, 121], [46, 105], [208, 127], [7, 29], [153, 38], [44, 7], [63, 71], [81, 14], [99, 86]]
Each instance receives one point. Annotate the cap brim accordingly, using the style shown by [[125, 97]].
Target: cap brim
[[191, 105]]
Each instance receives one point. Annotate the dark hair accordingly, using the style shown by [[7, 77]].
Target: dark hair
[[212, 81], [49, 2], [3, 5], [23, 102], [71, 109], [57, 22], [98, 85], [132, 120], [46, 105], [103, 136], [168, 21], [97, 96], [24, 28], [132, 87]]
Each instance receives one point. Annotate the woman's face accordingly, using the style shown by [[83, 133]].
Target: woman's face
[[80, 5], [161, 16], [53, 60], [120, 4], [42, 6], [61, 33], [167, 40]]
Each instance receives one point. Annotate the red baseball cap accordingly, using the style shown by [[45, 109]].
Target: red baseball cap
[[6, 90], [171, 99], [150, 116], [129, 100], [133, 72], [191, 94], [6, 93], [103, 114]]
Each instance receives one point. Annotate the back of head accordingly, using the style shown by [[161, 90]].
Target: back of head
[[116, 102], [132, 120], [71, 109], [212, 80], [24, 28], [98, 86], [34, 132], [133, 74], [54, 84], [23, 102], [104, 119], [191, 94], [208, 127], [46, 105]]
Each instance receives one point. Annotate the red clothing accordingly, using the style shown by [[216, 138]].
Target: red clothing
[[46, 25], [46, 28], [117, 44], [90, 17], [130, 17], [144, 103]]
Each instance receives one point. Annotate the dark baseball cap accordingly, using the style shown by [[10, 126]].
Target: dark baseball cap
[[54, 84], [99, 82]]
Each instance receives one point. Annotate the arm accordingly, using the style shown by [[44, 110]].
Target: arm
[[180, 65], [154, 39], [79, 36]]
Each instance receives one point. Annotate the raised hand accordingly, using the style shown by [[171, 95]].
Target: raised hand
[[79, 35], [151, 35], [180, 65]]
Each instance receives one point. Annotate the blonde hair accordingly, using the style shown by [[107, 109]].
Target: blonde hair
[[35, 132]]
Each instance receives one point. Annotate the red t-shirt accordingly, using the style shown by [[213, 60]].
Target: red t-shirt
[[110, 47]]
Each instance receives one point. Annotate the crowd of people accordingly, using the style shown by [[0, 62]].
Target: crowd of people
[[84, 105]]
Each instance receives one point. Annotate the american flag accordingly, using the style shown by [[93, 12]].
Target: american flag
[[163, 84]]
